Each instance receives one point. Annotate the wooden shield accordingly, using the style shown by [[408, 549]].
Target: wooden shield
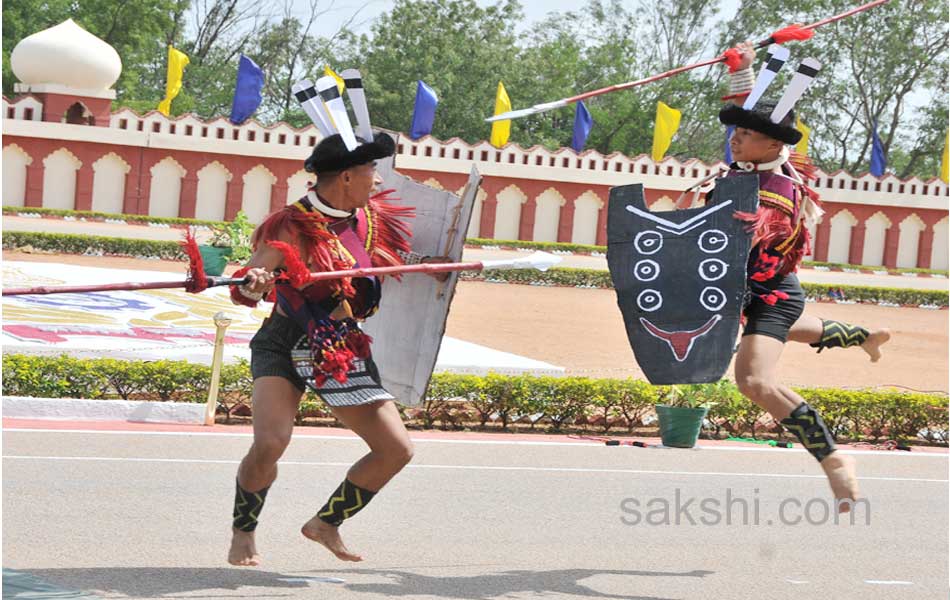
[[407, 331]]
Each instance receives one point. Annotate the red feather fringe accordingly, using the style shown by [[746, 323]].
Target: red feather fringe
[[309, 230], [771, 227], [732, 57], [297, 272], [196, 281], [391, 231], [803, 165], [792, 32]]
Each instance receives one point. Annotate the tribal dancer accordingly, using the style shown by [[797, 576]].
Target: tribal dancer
[[815, 331], [780, 241], [312, 338]]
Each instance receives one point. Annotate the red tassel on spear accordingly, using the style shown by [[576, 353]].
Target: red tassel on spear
[[786, 34]]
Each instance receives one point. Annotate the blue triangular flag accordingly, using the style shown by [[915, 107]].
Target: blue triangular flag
[[423, 115], [878, 160], [583, 123], [247, 91], [729, 132]]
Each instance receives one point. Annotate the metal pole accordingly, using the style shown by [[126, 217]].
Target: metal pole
[[221, 322]]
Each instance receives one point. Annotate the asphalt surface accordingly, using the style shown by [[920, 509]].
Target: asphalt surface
[[11, 223], [146, 515]]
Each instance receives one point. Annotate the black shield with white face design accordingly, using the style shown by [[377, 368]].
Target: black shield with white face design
[[680, 278]]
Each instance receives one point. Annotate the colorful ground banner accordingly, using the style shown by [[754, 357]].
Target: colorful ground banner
[[165, 324]]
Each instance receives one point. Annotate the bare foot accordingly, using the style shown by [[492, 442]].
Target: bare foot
[[843, 479], [873, 344], [328, 536], [243, 552]]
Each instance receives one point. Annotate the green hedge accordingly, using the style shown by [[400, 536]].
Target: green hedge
[[96, 215], [546, 246], [495, 401], [68, 243]]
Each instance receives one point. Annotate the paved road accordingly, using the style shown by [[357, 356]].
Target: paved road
[[135, 515], [578, 261]]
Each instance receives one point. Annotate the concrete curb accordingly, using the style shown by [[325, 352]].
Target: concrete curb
[[103, 410]]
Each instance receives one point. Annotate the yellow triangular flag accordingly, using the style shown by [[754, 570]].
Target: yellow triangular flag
[[177, 61], [945, 163], [501, 130], [802, 146], [340, 84], [667, 122]]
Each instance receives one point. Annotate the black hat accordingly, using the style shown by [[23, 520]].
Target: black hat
[[331, 155], [758, 119]]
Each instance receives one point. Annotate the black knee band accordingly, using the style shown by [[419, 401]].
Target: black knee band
[[247, 507], [835, 334], [346, 501], [811, 430]]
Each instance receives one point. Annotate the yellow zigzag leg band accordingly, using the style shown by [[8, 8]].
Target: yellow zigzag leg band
[[346, 501], [836, 334], [247, 508]]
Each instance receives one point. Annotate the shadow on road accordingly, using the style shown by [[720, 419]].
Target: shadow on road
[[493, 585], [141, 582], [144, 582]]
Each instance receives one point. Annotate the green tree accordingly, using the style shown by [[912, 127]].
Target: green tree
[[135, 28], [459, 48], [875, 65]]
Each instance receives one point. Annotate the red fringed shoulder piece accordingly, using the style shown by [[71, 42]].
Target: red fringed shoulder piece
[[732, 57], [310, 230], [196, 281], [388, 231], [792, 32], [803, 165]]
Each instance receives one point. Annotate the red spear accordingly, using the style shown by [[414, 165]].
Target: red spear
[[538, 260], [792, 32]]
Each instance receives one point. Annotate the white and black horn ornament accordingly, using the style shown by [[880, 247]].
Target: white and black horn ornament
[[357, 96], [328, 90], [778, 56], [803, 78], [308, 98]]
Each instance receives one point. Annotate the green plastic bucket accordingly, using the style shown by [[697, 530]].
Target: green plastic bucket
[[214, 259], [679, 426]]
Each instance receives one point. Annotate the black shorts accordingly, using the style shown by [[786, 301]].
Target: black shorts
[[775, 321], [280, 349], [270, 350]]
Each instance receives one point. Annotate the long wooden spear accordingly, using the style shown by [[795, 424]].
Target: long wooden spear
[[792, 32], [538, 260]]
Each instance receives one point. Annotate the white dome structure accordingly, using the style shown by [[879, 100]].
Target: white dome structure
[[66, 57]]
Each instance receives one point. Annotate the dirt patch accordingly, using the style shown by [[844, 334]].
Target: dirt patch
[[582, 330]]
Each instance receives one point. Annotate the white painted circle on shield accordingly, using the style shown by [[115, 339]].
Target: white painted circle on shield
[[713, 241], [712, 298], [648, 242], [649, 300], [646, 270], [713, 269]]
